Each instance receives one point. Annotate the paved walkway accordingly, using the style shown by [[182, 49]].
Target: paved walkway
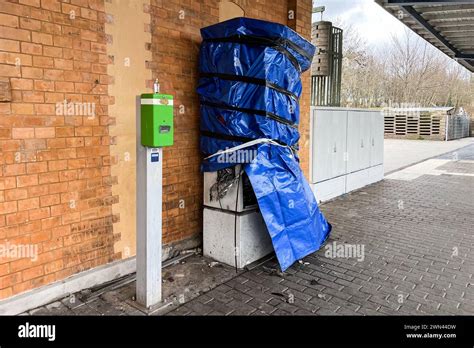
[[401, 246], [418, 256], [399, 153]]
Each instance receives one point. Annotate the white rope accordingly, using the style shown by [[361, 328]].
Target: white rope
[[245, 145]]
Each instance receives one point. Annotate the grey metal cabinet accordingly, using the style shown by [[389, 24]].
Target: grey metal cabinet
[[329, 147], [358, 140], [346, 150], [376, 139]]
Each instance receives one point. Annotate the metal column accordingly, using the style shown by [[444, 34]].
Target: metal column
[[149, 223]]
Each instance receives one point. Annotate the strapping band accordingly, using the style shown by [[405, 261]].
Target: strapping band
[[253, 80], [271, 115], [280, 44], [236, 138]]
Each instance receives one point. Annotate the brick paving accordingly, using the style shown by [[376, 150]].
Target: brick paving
[[418, 241], [418, 258]]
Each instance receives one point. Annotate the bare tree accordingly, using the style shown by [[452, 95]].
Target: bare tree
[[408, 70], [361, 71]]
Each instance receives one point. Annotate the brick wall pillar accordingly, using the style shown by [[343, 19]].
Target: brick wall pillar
[[299, 19]]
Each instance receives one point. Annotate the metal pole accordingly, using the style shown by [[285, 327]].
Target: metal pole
[[149, 223]]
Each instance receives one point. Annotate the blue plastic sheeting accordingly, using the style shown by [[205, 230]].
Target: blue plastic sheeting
[[249, 96], [257, 61], [291, 213], [262, 29], [249, 89]]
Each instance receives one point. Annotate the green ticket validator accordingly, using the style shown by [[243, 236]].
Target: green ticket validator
[[157, 128]]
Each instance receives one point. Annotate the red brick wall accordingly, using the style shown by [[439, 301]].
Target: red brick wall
[[302, 24], [55, 188], [55, 182]]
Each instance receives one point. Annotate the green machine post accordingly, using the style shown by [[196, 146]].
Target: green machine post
[[155, 132], [157, 120]]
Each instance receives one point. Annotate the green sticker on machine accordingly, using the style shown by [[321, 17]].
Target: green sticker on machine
[[157, 128]]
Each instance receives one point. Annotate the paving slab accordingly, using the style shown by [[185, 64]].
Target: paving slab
[[399, 153]]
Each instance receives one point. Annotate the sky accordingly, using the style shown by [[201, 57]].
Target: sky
[[372, 22]]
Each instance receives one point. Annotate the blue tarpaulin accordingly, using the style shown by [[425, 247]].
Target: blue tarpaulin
[[249, 91]]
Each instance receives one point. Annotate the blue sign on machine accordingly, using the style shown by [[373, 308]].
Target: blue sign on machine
[[155, 157]]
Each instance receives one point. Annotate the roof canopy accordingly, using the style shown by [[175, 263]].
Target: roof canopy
[[447, 24]]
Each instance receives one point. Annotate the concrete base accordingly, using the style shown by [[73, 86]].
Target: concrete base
[[248, 242], [376, 174], [357, 180], [332, 188], [162, 306], [329, 189]]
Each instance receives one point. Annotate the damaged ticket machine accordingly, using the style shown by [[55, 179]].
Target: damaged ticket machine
[[234, 231], [154, 131], [256, 198]]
